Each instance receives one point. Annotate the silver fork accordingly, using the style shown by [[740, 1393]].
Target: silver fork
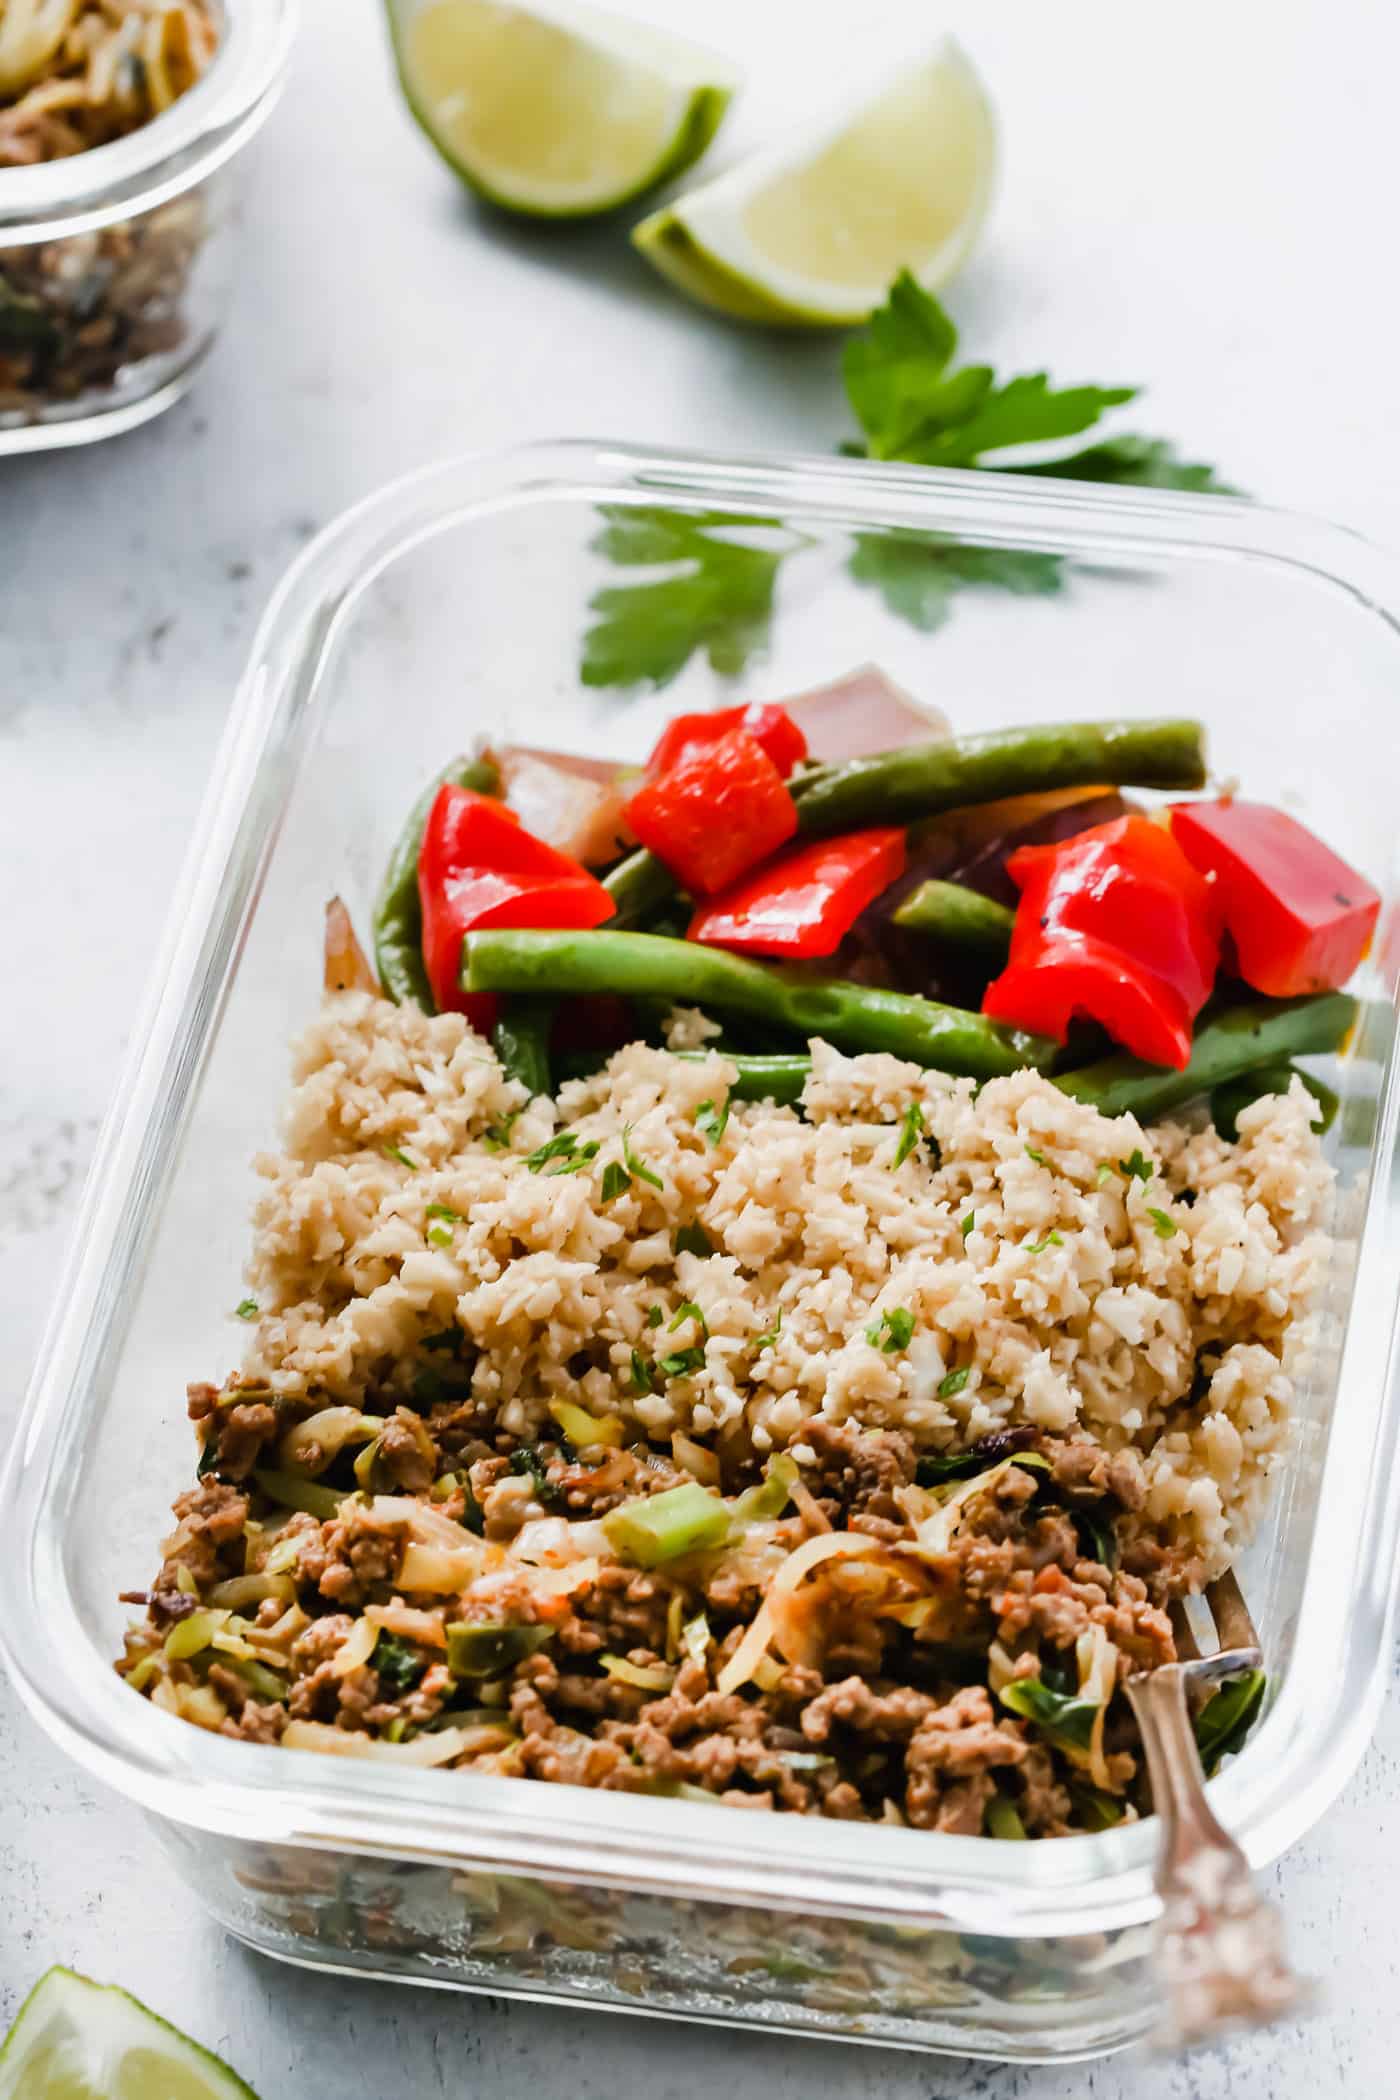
[[1220, 1946]]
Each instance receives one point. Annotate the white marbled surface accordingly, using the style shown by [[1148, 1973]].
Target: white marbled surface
[[1197, 198]]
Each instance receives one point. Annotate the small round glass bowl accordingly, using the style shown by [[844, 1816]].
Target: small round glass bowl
[[116, 264]]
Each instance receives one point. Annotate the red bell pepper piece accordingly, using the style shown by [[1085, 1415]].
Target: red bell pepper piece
[[715, 817], [478, 866], [1116, 924], [806, 901], [689, 736], [1300, 918]]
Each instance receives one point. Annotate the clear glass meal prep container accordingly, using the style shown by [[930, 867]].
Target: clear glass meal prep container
[[137, 241], [452, 604]]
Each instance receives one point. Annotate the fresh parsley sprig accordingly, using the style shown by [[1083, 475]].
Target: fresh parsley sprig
[[715, 572]]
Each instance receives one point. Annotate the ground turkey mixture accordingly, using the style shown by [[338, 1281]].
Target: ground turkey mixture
[[840, 1459]]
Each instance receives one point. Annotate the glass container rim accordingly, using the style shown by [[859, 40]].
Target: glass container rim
[[186, 143]]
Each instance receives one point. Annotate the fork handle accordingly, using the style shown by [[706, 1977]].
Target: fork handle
[[1220, 1947]]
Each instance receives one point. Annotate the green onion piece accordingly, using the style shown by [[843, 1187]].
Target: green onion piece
[[689, 1311], [293, 1492], [638, 1675], [1061, 1718], [397, 1152], [655, 1316], [189, 1636], [758, 1505], [487, 1648], [1225, 1720], [955, 1382], [1163, 1225], [658, 1528], [681, 1364], [263, 1683], [246, 1309], [1002, 1819], [641, 1374], [1038, 1157], [968, 1222]]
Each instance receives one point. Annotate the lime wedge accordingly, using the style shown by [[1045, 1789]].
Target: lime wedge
[[811, 234], [554, 108], [75, 2040]]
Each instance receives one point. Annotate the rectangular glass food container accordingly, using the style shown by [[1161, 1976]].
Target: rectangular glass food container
[[456, 603], [116, 265]]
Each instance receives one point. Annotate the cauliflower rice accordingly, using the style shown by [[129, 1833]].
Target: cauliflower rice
[[1048, 1285]]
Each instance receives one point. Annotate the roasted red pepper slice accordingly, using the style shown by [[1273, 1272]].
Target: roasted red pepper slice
[[690, 736], [1300, 918], [806, 901], [715, 817], [478, 866], [1116, 924]]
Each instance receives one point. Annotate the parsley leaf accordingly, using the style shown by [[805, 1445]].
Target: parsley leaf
[[693, 1239], [911, 406], [914, 402], [893, 1330], [1163, 1225], [682, 1363], [1133, 462], [654, 1316], [766, 1341], [398, 1663], [918, 574], [638, 1168], [1137, 1168], [616, 1180], [911, 1130], [689, 1311], [710, 1121], [717, 596], [641, 1373], [246, 1309], [561, 1147]]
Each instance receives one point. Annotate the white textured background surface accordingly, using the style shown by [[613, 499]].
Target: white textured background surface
[[1198, 198]]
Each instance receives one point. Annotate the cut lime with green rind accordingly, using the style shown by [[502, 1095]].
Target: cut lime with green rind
[[810, 234], [554, 109], [77, 2040]]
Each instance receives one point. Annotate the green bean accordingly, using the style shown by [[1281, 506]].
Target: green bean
[[1232, 1097], [760, 1078], [960, 917], [398, 913], [923, 780], [521, 1041], [638, 885], [853, 1016], [1263, 1032]]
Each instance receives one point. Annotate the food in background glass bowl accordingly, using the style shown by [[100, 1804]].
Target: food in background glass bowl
[[783, 1273], [76, 74]]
